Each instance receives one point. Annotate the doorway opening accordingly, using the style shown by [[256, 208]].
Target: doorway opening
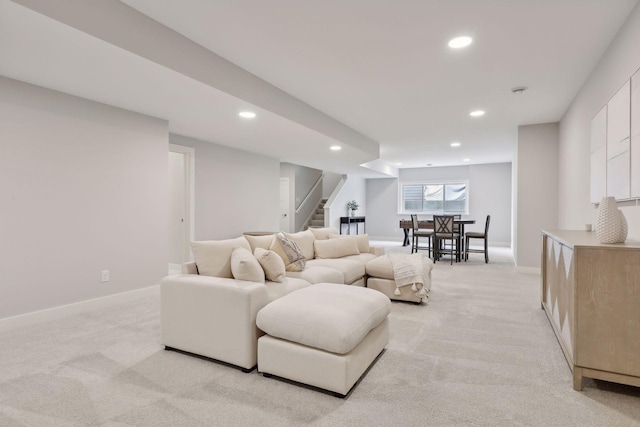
[[181, 202]]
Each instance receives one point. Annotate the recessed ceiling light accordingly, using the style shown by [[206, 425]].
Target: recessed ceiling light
[[466, 160], [455, 144], [460, 42], [399, 164], [518, 90], [335, 148], [247, 114], [476, 113]]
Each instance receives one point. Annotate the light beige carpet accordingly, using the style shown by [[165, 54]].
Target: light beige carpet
[[481, 353]]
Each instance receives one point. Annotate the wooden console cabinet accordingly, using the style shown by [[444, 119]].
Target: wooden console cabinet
[[591, 295]]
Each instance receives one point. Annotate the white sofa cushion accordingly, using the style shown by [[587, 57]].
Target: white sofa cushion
[[259, 241], [335, 248], [363, 258], [277, 290], [323, 233], [289, 251], [305, 240], [244, 266], [271, 263], [318, 275], [327, 316], [362, 240], [351, 270], [213, 257]]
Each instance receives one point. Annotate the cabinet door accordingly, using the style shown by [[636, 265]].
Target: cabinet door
[[599, 156], [618, 182], [619, 116], [635, 135]]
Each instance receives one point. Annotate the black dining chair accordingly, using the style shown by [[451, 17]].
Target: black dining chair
[[477, 235], [443, 231], [417, 233]]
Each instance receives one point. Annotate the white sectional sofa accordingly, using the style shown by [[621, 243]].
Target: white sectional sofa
[[208, 311]]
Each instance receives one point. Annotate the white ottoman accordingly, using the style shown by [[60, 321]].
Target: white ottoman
[[326, 335], [381, 278]]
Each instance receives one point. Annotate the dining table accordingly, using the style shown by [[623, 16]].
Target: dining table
[[427, 224]]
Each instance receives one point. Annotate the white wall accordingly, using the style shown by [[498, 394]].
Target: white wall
[[489, 194], [537, 180], [619, 62], [235, 191], [84, 188]]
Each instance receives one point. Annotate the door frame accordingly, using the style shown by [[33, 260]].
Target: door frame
[[189, 171]]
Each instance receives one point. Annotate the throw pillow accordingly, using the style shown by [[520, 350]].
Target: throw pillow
[[362, 240], [323, 233], [259, 241], [271, 263], [213, 257], [335, 248], [244, 266], [305, 240], [289, 251]]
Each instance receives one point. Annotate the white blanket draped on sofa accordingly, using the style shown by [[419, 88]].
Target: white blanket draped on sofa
[[410, 270]]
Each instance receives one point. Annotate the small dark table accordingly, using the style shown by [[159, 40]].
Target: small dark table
[[348, 220]]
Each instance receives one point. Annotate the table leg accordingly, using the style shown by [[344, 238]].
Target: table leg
[[405, 242]]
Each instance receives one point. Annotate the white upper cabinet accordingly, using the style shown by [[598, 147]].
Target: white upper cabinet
[[635, 135], [619, 118], [618, 143], [598, 156]]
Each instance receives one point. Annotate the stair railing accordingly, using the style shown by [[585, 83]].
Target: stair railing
[[308, 196]]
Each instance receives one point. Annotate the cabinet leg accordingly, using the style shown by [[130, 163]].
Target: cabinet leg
[[577, 378]]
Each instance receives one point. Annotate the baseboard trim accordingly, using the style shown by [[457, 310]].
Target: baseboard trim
[[59, 312], [528, 270]]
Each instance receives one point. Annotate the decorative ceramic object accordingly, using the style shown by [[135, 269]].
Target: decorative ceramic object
[[353, 212], [353, 206], [611, 225]]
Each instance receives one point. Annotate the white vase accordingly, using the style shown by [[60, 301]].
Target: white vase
[[353, 212], [611, 225]]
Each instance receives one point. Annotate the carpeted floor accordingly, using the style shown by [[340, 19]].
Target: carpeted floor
[[482, 353]]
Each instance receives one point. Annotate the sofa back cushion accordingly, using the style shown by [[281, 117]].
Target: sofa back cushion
[[289, 251], [271, 263], [213, 257], [304, 240], [244, 266], [259, 241], [335, 248], [323, 233], [362, 240]]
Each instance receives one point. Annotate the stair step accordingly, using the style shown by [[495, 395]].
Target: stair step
[[317, 222], [320, 211]]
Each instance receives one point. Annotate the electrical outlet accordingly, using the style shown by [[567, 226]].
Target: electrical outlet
[[105, 276]]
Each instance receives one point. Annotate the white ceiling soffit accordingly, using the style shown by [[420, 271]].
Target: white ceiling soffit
[[142, 66], [361, 71], [383, 67]]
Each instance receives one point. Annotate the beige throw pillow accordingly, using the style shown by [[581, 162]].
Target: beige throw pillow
[[290, 253], [323, 233], [213, 257], [271, 263], [305, 240], [259, 241], [362, 240], [335, 248], [244, 266]]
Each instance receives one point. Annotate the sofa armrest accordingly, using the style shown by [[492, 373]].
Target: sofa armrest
[[212, 316], [376, 250]]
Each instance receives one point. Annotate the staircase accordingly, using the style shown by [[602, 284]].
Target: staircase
[[317, 219]]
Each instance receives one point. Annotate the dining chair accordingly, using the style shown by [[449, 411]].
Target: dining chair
[[443, 231], [417, 233], [477, 235]]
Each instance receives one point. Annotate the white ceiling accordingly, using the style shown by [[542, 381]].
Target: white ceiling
[[382, 67]]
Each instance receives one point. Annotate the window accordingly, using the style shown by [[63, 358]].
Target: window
[[434, 198]]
